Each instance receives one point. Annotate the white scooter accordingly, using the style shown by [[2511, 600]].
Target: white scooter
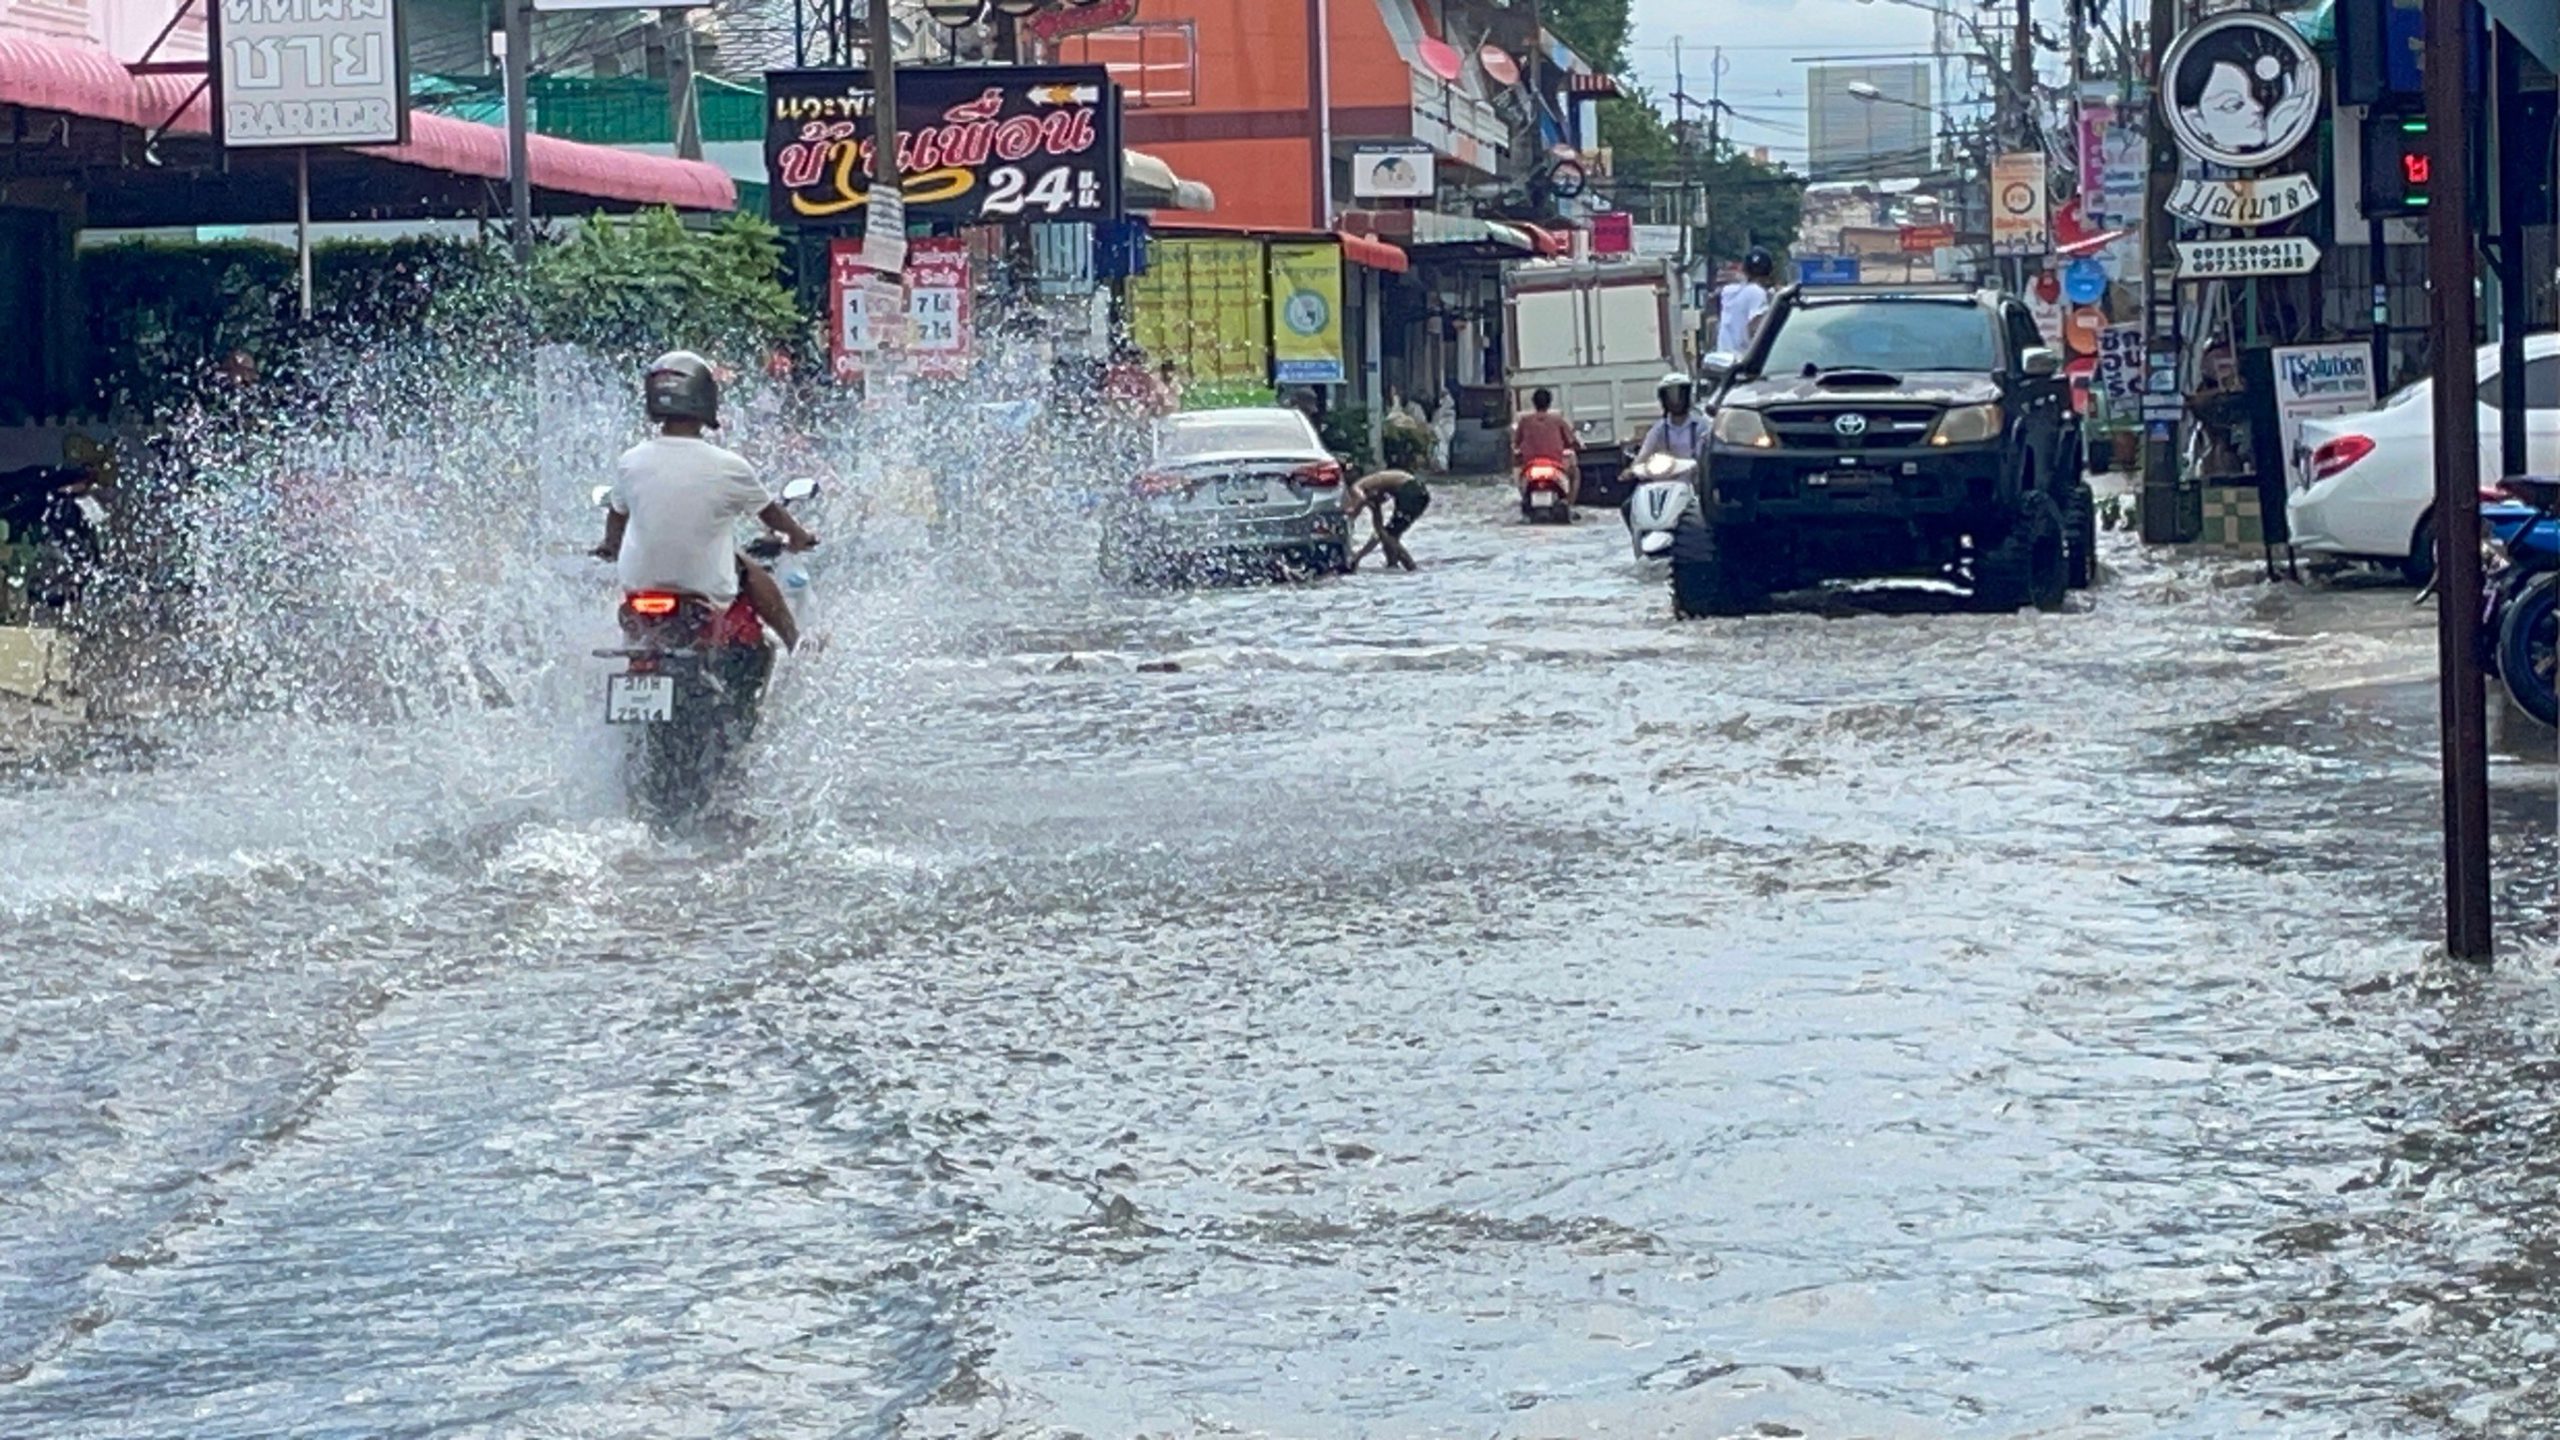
[[1666, 488]]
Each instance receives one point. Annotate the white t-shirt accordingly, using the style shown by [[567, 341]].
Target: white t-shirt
[[1679, 439], [1739, 304], [684, 497]]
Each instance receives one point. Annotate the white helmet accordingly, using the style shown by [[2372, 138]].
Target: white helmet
[[1676, 380]]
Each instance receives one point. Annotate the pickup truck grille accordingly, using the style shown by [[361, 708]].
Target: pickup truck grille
[[1877, 427]]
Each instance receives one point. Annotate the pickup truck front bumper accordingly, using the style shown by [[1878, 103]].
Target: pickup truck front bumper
[[1748, 484]]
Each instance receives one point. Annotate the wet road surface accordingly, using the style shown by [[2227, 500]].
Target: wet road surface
[[1466, 1004]]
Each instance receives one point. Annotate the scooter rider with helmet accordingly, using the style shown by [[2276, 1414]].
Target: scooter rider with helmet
[[1681, 433], [677, 498]]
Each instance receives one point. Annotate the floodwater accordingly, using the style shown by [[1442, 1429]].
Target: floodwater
[[1465, 1004]]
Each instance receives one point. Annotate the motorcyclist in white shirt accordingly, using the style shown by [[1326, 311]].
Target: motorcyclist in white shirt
[[677, 499], [1681, 433]]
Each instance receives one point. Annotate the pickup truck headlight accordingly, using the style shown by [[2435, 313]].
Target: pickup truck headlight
[[1967, 425], [1737, 425]]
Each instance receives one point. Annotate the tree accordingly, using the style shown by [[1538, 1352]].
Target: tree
[[649, 284]]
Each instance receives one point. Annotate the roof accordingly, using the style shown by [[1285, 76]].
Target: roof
[[75, 79]]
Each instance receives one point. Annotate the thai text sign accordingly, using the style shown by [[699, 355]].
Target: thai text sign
[[975, 145], [925, 322], [1306, 314], [2246, 204], [309, 72]]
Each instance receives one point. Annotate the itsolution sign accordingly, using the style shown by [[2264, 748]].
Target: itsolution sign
[[309, 72]]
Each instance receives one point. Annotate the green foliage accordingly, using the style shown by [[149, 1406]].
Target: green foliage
[[1407, 443], [1345, 429], [648, 284], [1596, 29], [1228, 395]]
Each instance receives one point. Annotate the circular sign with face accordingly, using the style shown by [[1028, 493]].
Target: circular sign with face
[[2243, 90], [1306, 313]]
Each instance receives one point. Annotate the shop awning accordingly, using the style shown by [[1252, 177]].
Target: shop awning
[[443, 170], [1150, 184], [1373, 253]]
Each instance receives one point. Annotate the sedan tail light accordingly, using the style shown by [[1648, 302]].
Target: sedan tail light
[[2332, 456], [1159, 482], [1321, 476]]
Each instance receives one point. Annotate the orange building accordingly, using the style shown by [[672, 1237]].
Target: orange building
[[1220, 89]]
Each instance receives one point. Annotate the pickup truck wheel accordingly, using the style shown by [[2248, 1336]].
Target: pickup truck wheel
[[1705, 580], [2027, 565], [2080, 520]]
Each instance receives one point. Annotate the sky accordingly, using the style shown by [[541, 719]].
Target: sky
[[1765, 43]]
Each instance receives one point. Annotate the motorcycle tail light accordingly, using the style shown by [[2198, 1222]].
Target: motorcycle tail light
[[1541, 470], [653, 605], [1322, 476], [2333, 456]]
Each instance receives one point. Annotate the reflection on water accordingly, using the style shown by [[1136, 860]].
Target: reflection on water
[[1456, 1004]]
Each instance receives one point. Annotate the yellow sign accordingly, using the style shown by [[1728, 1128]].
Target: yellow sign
[[1201, 305], [1306, 314]]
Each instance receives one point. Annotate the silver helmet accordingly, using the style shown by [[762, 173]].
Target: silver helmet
[[681, 386], [1676, 382]]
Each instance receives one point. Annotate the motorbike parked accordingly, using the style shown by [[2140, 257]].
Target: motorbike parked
[[693, 679], [2520, 598], [1666, 488], [1542, 490]]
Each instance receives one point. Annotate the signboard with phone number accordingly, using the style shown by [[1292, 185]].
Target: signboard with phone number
[[976, 145]]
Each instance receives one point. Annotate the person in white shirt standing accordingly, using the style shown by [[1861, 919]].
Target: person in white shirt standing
[[677, 499], [1740, 305]]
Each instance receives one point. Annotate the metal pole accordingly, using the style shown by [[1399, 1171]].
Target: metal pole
[[2450, 270], [519, 62], [1320, 112], [680, 87], [302, 224], [2506, 126], [881, 50], [2161, 521]]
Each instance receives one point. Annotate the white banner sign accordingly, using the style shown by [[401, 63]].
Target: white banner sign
[[2019, 225], [2314, 381], [1394, 172], [309, 72], [2246, 204], [2224, 259]]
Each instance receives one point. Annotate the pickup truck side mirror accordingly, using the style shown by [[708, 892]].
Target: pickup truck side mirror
[[2040, 363], [1717, 367]]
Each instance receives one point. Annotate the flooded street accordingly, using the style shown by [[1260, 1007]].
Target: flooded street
[[1465, 1004]]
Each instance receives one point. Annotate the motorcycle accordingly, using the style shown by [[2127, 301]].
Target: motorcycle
[[2520, 598], [1666, 488], [694, 677], [1542, 492]]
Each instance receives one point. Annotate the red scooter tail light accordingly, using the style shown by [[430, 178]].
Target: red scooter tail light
[[2333, 456], [652, 604], [1541, 470], [1323, 476]]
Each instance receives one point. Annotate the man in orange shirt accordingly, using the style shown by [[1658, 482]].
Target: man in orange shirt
[[1542, 434]]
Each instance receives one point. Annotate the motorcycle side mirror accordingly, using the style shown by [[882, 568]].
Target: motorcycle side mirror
[[798, 490], [601, 497]]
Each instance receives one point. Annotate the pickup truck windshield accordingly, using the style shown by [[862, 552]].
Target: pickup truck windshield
[[1890, 335]]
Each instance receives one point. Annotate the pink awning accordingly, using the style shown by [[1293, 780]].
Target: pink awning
[[43, 74]]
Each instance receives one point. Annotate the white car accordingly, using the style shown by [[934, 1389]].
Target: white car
[[2367, 486]]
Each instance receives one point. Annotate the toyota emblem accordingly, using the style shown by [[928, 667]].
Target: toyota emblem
[[1850, 426]]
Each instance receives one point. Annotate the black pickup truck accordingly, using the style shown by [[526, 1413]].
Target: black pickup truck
[[1874, 431]]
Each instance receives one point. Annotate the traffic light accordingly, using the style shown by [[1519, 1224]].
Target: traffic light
[[2397, 168]]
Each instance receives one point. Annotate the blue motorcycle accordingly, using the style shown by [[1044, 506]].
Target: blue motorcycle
[[2520, 602]]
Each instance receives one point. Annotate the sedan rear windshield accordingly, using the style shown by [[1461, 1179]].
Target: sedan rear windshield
[[1889, 335], [1238, 432]]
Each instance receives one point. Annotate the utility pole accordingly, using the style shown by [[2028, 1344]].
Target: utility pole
[[519, 62], [680, 89], [2451, 267], [1680, 137], [2022, 81], [2163, 507], [881, 50], [1320, 114]]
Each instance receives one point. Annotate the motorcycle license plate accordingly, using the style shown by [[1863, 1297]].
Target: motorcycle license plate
[[639, 699], [1541, 499]]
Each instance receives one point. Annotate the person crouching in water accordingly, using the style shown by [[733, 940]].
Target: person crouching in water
[[677, 499], [1394, 500]]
